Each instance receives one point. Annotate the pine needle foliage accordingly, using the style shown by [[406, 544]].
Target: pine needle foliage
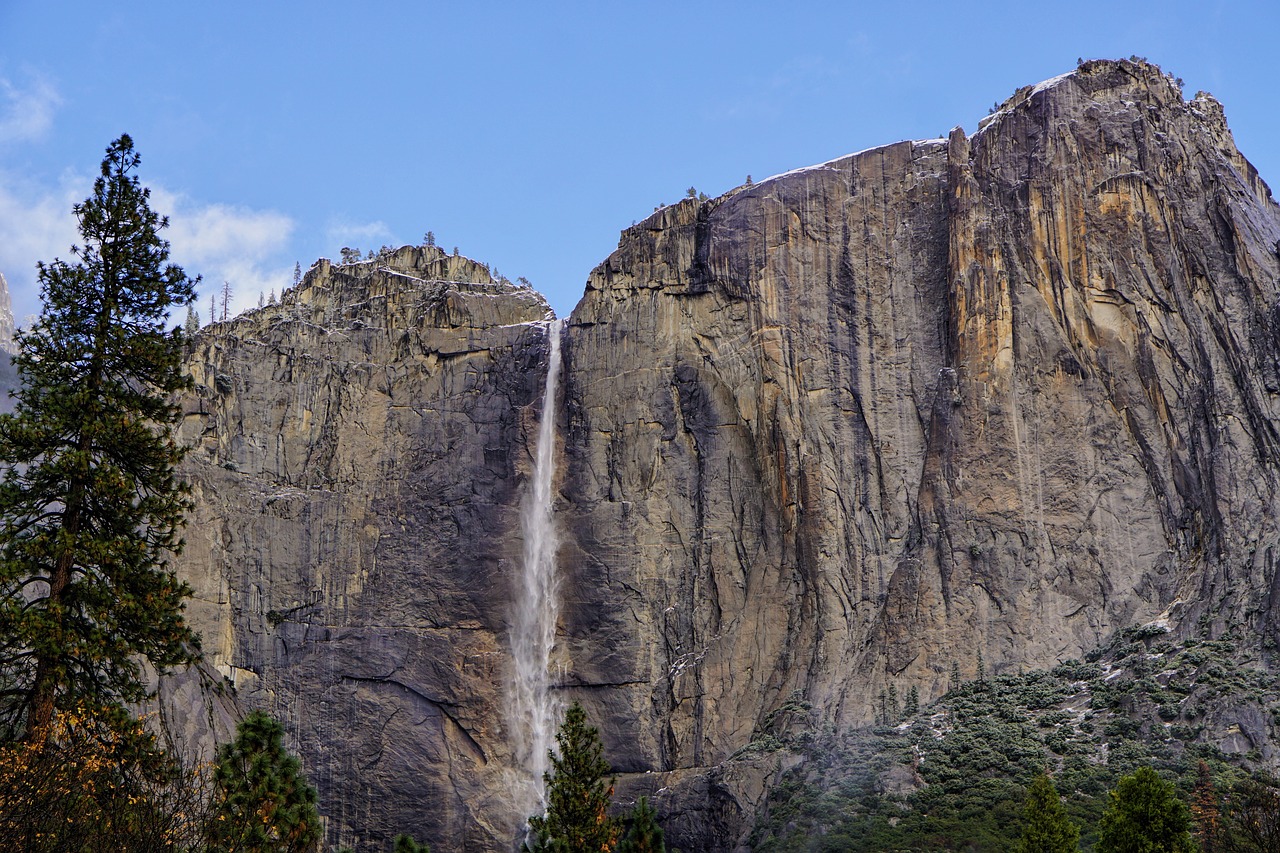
[[90, 508], [406, 844], [578, 793], [1046, 827], [1145, 816], [262, 802], [644, 835]]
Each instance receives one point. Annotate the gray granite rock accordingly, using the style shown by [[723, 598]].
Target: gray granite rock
[[831, 431]]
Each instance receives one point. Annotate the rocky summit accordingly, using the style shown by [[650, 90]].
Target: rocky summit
[[988, 398]]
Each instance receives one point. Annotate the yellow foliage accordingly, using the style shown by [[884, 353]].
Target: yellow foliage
[[97, 783]]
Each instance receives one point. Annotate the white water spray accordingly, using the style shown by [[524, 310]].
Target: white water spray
[[533, 631]]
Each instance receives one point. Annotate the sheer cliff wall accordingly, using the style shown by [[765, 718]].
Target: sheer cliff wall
[[836, 430]]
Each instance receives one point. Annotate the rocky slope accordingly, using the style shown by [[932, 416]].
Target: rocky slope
[[999, 395]]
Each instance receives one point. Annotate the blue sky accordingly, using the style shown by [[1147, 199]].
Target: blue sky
[[527, 135]]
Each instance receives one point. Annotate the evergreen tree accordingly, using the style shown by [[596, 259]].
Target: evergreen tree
[[1204, 810], [1144, 816], [89, 505], [1046, 827], [297, 276], [406, 844], [643, 833], [913, 701], [224, 296], [429, 239], [263, 803], [578, 795], [191, 326]]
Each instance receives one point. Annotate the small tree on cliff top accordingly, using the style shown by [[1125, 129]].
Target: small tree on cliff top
[[578, 795], [89, 505]]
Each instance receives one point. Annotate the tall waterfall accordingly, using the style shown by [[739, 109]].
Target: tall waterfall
[[533, 710]]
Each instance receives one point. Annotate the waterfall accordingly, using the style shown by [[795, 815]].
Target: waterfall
[[533, 632]]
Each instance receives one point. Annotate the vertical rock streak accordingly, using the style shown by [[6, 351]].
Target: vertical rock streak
[[532, 707]]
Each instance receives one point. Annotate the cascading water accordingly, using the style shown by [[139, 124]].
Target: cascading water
[[533, 631]]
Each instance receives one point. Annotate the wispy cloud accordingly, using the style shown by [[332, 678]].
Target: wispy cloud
[[36, 224], [238, 245], [26, 112], [769, 97], [221, 242], [367, 235]]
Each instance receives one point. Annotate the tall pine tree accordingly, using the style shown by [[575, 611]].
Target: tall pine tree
[[1205, 813], [1045, 825], [578, 795], [89, 505]]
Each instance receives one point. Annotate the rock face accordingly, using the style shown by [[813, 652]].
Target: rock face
[[7, 326], [840, 429], [357, 449]]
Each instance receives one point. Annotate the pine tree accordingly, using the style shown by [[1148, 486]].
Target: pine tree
[[1046, 827], [263, 803], [1144, 816], [913, 701], [297, 276], [90, 508], [1204, 810], [224, 296], [643, 833], [191, 326], [406, 844], [429, 239], [578, 795]]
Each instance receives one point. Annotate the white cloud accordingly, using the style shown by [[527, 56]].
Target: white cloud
[[36, 224], [27, 113], [219, 242], [366, 236], [237, 245]]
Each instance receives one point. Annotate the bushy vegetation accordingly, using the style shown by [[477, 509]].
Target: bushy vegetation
[[955, 775]]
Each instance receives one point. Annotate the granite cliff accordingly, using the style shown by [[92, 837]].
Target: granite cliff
[[846, 427]]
